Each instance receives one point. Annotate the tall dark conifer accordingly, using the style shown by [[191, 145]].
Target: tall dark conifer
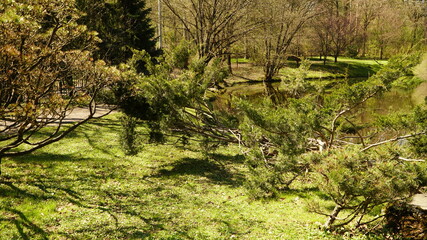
[[122, 25]]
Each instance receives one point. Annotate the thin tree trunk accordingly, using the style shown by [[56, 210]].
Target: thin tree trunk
[[414, 36], [364, 47], [246, 48], [229, 63], [333, 217]]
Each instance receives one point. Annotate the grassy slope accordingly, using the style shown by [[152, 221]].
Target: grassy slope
[[86, 188]]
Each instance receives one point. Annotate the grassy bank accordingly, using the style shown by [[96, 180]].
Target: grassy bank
[[86, 188], [345, 67]]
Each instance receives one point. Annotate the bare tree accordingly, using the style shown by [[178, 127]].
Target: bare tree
[[280, 22], [340, 24], [366, 12], [387, 30], [213, 25], [416, 12]]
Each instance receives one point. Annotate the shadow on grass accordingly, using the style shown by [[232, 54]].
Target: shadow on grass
[[202, 167], [117, 203], [10, 190], [105, 123], [353, 70], [26, 228], [222, 158], [41, 157], [98, 145]]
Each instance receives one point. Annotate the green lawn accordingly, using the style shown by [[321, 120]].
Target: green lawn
[[349, 67], [345, 67], [84, 187], [240, 60]]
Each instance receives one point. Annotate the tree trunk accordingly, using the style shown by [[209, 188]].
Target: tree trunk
[[414, 36], [332, 217], [246, 48], [364, 47], [269, 72], [229, 63], [270, 91]]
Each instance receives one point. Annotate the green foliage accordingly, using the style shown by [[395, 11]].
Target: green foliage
[[420, 70], [395, 122], [398, 66], [44, 74], [309, 134], [129, 136], [269, 175], [180, 55], [277, 135], [181, 102], [287, 127], [294, 84], [128, 96], [123, 26], [358, 182], [407, 82], [419, 145]]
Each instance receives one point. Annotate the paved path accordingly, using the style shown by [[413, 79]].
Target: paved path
[[79, 114], [76, 115]]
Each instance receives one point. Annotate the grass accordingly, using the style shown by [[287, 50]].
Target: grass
[[84, 187], [240, 60], [348, 67], [345, 67]]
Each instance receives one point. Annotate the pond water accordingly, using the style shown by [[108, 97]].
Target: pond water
[[395, 100]]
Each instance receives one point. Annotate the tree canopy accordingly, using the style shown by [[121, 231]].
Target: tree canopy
[[44, 76], [122, 26]]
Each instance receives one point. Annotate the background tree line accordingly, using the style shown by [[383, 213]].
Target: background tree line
[[357, 28]]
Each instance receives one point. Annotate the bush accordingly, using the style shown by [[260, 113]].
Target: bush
[[180, 55], [129, 136]]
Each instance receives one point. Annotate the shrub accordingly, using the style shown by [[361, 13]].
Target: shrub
[[129, 136]]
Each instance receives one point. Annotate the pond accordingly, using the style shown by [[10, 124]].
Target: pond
[[395, 100]]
